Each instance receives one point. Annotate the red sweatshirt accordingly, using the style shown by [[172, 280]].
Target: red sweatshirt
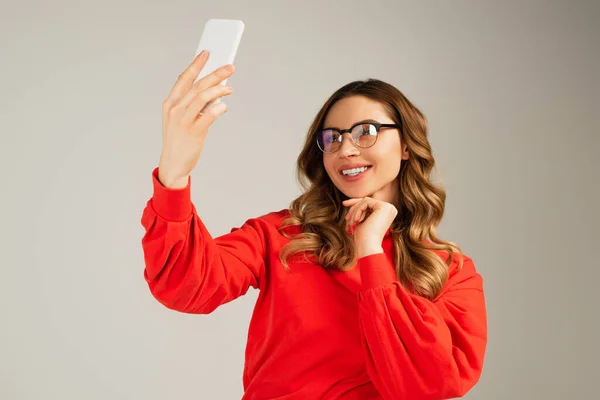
[[316, 333]]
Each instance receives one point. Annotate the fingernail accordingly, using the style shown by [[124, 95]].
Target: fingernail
[[229, 68]]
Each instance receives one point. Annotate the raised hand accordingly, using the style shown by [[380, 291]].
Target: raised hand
[[184, 129]]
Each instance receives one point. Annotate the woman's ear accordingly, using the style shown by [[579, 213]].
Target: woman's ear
[[405, 153]]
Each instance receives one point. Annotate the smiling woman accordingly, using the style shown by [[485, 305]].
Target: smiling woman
[[359, 299], [387, 134], [382, 161]]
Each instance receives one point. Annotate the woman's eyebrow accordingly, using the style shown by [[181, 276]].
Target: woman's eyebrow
[[364, 121]]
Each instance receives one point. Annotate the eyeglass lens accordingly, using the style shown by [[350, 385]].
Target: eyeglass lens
[[363, 135]]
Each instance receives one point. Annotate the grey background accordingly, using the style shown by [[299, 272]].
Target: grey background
[[511, 93]]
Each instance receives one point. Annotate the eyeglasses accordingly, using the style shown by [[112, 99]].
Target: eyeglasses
[[363, 135]]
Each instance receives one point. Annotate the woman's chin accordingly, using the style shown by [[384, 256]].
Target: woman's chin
[[355, 193]]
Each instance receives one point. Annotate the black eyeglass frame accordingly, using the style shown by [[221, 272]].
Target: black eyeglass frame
[[341, 132]]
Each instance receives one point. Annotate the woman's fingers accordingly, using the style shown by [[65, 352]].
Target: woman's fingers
[[202, 99], [352, 212], [358, 210], [209, 116], [185, 80], [215, 77], [211, 80]]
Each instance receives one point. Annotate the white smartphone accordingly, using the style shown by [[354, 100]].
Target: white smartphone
[[221, 38]]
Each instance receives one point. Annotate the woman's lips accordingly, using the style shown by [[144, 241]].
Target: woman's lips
[[349, 178]]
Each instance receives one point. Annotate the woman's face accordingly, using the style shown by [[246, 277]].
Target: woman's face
[[382, 159]]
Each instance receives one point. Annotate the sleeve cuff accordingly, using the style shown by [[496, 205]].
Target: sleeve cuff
[[171, 204], [376, 270]]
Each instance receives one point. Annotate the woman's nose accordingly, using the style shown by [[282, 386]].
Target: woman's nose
[[347, 148]]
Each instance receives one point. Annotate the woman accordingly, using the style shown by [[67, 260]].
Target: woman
[[358, 298]]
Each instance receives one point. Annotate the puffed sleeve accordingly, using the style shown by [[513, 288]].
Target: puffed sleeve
[[188, 270], [417, 348]]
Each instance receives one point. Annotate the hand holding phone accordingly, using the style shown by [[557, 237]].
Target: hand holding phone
[[194, 103]]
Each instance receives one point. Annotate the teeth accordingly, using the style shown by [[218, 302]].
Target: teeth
[[354, 171]]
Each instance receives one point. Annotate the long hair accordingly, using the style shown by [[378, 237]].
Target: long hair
[[319, 213]]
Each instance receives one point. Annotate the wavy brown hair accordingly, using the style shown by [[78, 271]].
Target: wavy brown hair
[[319, 212]]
